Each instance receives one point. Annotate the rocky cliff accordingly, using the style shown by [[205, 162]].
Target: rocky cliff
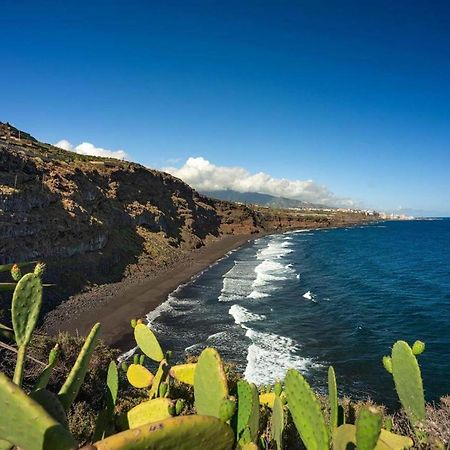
[[95, 220]]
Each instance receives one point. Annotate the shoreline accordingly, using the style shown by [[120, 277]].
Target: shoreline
[[128, 299], [140, 298]]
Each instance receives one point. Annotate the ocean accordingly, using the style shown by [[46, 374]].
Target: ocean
[[310, 299]]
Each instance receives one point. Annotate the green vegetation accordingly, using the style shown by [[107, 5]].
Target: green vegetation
[[194, 405]]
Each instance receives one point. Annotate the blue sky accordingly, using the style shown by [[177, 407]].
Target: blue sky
[[354, 95]]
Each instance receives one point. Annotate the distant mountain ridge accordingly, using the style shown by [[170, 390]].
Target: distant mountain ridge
[[256, 198]]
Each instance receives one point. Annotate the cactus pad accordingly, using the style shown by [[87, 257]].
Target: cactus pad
[[408, 381], [139, 376], [71, 386], [306, 412], [146, 412], [210, 383], [26, 304], [368, 428], [267, 399], [147, 342], [44, 377], [332, 398], [27, 424], [184, 373], [182, 433], [49, 401], [278, 422]]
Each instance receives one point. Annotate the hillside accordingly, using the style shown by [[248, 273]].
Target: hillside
[[97, 220], [256, 198]]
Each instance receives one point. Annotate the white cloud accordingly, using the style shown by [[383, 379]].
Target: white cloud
[[205, 176], [86, 148]]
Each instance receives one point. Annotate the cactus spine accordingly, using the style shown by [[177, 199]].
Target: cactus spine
[[71, 386], [26, 423], [306, 412], [26, 304]]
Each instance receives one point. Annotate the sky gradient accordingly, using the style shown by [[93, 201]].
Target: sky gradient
[[352, 95]]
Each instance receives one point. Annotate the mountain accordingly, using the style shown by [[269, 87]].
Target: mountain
[[255, 198], [97, 220]]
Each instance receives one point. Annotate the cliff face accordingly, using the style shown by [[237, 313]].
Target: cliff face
[[95, 220]]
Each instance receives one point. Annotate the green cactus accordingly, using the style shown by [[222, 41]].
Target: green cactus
[[26, 304], [44, 377], [346, 434], [104, 421], [26, 423], [278, 422], [368, 428], [161, 374], [146, 412], [418, 348], [408, 382], [8, 267], [50, 402], [16, 273], [210, 383], [332, 399], [182, 433], [227, 409], [39, 269], [184, 373], [387, 363], [147, 342], [247, 418], [179, 406], [71, 386], [306, 412]]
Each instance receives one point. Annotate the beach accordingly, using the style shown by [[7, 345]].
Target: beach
[[135, 300]]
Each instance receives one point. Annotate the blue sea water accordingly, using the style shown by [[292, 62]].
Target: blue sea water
[[311, 299]]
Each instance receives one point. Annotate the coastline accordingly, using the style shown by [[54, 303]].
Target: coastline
[[138, 299], [116, 304]]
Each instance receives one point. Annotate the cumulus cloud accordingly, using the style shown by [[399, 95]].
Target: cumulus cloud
[[86, 148], [205, 176]]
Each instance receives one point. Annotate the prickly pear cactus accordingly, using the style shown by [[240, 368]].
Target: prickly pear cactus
[[16, 273], [346, 434], [418, 348], [146, 412], [227, 409], [267, 399], [332, 398], [368, 428], [306, 412], [139, 376], [160, 375], [408, 381], [44, 377], [147, 342], [184, 373], [181, 433], [387, 363], [26, 304], [104, 422], [71, 386], [210, 383], [277, 422], [50, 402], [26, 423], [247, 419]]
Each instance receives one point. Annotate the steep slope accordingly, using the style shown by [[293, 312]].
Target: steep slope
[[96, 220]]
